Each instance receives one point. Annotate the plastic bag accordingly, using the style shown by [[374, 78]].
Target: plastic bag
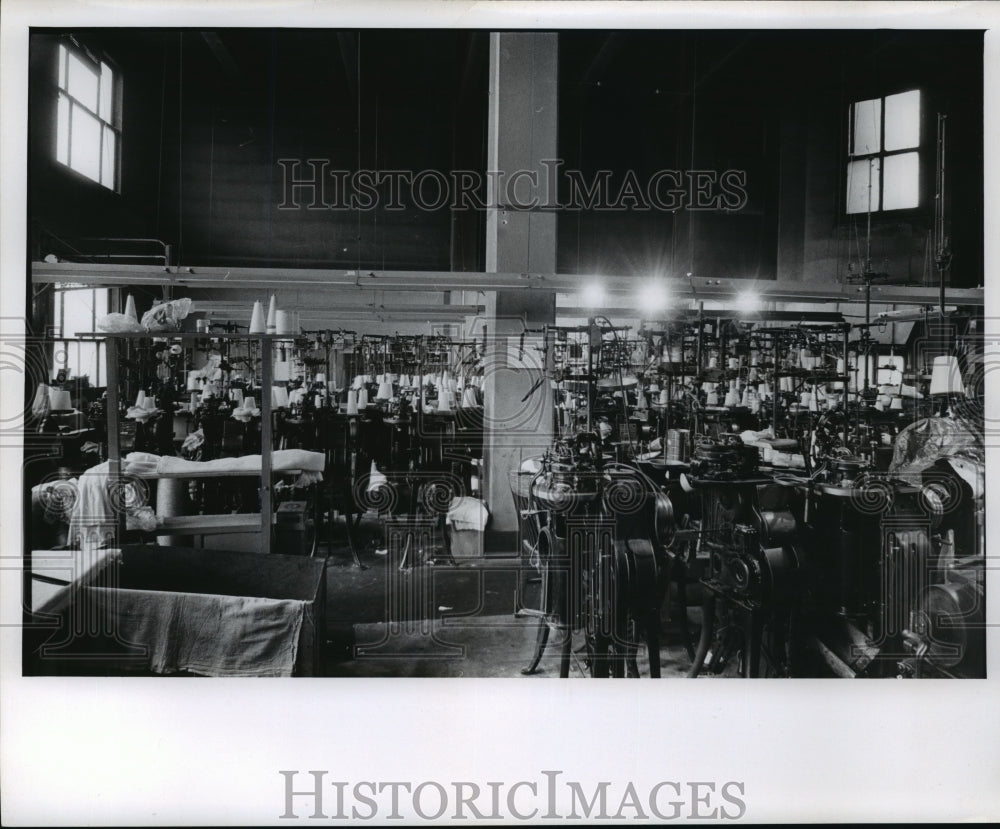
[[166, 316]]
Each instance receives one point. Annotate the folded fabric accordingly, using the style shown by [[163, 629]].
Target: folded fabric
[[466, 513], [206, 634], [283, 460], [92, 522]]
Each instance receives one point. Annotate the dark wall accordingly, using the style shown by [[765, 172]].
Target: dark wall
[[235, 103], [66, 204], [209, 115], [773, 104]]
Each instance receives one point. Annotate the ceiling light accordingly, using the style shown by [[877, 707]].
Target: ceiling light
[[592, 295], [748, 301], [653, 298]]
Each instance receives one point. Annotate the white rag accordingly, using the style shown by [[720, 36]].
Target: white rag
[[467, 513]]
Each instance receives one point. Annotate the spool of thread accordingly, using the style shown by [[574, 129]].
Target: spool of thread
[[236, 395], [60, 400], [712, 399], [283, 322], [249, 404], [352, 401], [469, 400], [384, 390], [130, 309], [444, 400], [140, 399], [734, 363], [282, 371], [257, 322], [664, 397], [272, 315], [763, 390], [732, 399], [362, 398], [149, 404], [279, 397], [713, 362], [677, 444], [320, 377]]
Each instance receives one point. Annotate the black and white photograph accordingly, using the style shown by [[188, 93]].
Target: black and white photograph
[[359, 351]]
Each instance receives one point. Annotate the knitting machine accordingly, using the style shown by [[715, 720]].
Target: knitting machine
[[847, 572], [600, 525], [602, 539]]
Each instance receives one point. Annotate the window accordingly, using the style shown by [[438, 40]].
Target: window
[[883, 172], [77, 309], [88, 116]]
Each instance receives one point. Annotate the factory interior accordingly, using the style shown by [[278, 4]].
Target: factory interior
[[524, 354]]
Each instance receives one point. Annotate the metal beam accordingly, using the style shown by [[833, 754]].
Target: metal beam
[[621, 289]]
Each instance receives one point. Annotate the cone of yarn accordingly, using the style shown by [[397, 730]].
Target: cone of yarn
[[257, 323]]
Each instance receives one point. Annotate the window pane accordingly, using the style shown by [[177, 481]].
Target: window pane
[[83, 82], [62, 130], [867, 125], [902, 181], [108, 158], [107, 88], [62, 67], [902, 121], [85, 155], [861, 174]]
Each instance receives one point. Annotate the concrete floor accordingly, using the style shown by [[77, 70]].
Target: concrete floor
[[438, 620]]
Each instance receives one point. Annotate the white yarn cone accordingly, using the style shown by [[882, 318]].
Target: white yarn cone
[[352, 402], [712, 399], [664, 398], [130, 309], [469, 398], [279, 397], [282, 323], [732, 399], [384, 391], [140, 400], [257, 324], [61, 401], [272, 315], [444, 400], [362, 398]]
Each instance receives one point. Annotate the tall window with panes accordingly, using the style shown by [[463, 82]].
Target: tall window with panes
[[88, 116], [883, 168]]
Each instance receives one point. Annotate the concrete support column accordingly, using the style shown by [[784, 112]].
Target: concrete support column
[[520, 237]]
